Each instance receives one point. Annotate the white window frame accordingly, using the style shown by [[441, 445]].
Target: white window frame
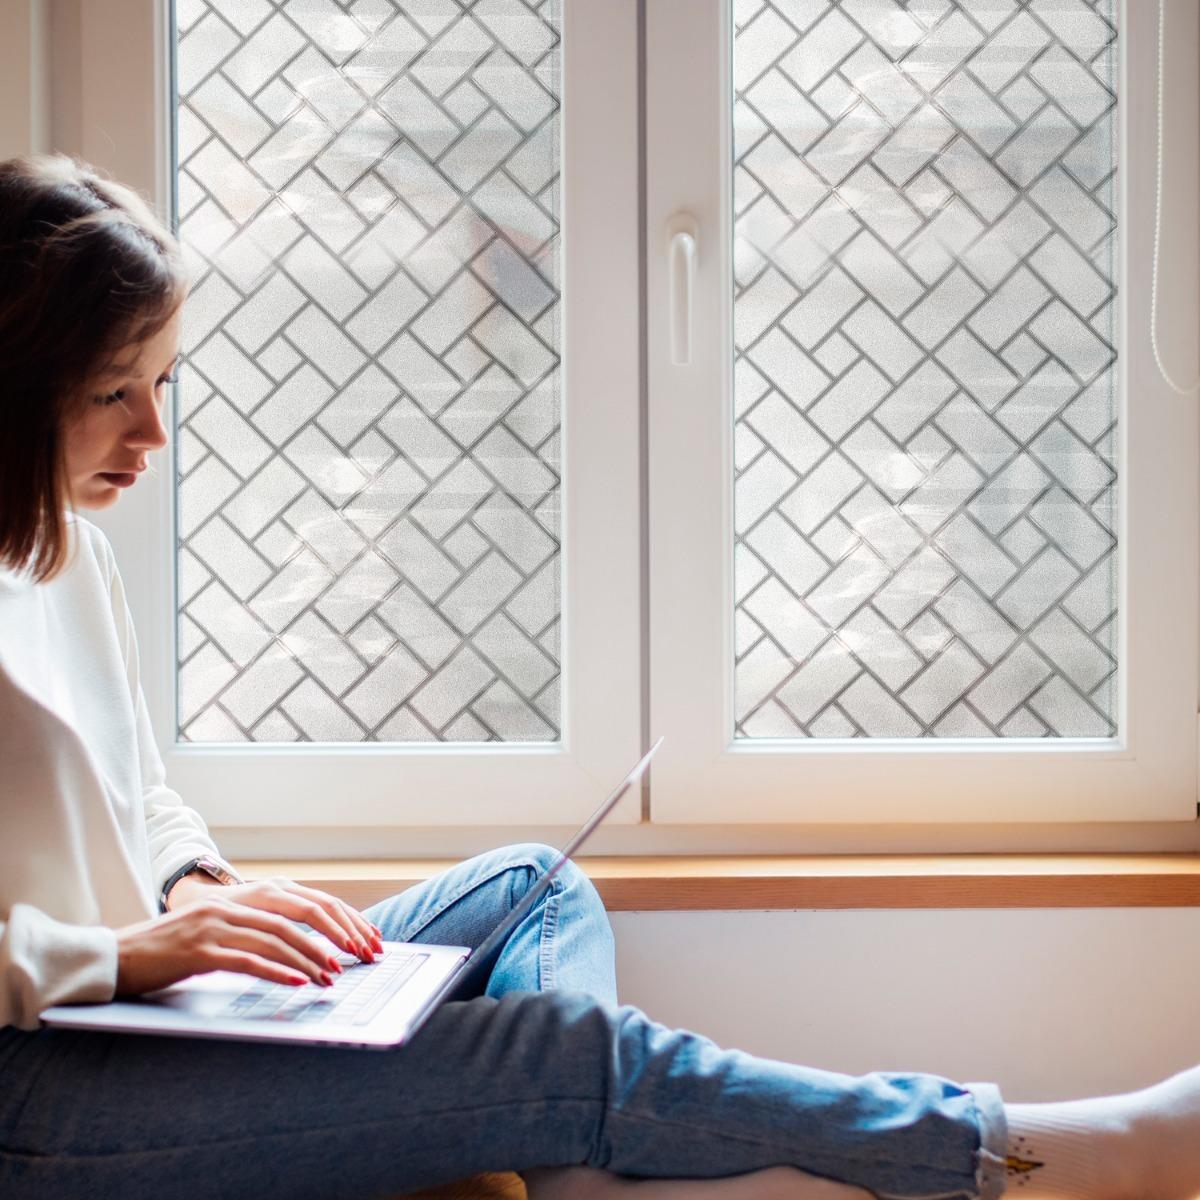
[[125, 107], [111, 116], [701, 775]]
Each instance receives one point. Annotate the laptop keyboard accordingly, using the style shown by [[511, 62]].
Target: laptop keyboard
[[355, 997]]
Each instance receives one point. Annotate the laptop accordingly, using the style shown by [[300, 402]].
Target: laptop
[[371, 1005]]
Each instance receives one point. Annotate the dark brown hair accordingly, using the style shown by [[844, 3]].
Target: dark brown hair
[[86, 270]]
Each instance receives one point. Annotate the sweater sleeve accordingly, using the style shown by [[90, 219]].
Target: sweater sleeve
[[175, 832], [44, 961]]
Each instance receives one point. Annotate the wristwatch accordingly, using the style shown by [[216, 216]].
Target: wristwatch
[[204, 863]]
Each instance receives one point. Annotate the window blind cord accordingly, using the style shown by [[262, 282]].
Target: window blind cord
[[1162, 370]]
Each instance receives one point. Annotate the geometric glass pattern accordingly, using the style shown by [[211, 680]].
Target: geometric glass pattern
[[925, 368], [369, 410]]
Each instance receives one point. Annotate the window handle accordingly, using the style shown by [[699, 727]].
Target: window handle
[[681, 277]]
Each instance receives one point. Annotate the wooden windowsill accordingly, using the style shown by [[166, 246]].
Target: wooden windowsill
[[818, 881]]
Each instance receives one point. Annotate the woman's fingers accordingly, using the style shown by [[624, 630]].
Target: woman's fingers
[[327, 913], [339, 922], [272, 949], [279, 895], [244, 963], [306, 952], [363, 929], [369, 933], [327, 910]]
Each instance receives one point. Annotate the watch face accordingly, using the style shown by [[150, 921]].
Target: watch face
[[216, 870]]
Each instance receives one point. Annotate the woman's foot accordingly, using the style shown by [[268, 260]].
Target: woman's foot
[[1144, 1143], [775, 1183]]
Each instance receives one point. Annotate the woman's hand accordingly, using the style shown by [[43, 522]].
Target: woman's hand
[[343, 925], [243, 928]]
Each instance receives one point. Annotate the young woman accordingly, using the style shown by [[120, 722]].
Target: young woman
[[545, 1069]]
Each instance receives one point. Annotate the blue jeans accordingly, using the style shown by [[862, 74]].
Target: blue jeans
[[545, 1068]]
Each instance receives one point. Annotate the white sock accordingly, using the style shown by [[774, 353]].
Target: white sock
[[775, 1183], [1140, 1144]]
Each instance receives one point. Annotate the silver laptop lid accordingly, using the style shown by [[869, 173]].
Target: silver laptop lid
[[479, 960]]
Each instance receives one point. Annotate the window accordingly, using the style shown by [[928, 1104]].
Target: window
[[922, 519], [405, 500], [909, 492]]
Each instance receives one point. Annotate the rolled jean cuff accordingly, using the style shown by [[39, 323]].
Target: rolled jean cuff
[[990, 1175]]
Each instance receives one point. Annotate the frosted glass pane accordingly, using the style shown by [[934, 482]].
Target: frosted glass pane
[[369, 472], [925, 272]]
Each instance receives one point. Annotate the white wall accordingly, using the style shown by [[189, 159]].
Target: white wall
[[1048, 1003]]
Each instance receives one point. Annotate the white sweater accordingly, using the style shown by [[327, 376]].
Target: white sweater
[[89, 831]]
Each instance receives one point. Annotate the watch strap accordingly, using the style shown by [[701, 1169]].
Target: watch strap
[[172, 881], [206, 863]]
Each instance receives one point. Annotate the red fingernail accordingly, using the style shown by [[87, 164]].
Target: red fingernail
[[325, 979]]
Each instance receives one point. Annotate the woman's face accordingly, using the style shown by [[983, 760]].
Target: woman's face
[[108, 445]]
